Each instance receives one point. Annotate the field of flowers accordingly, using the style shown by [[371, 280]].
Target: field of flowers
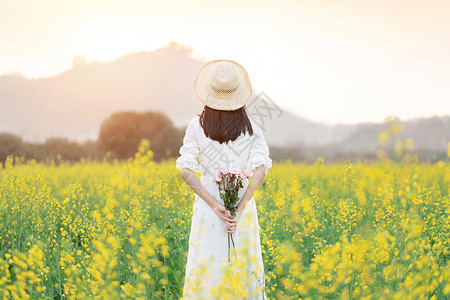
[[121, 230]]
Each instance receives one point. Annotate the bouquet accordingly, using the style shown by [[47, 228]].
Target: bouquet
[[229, 182]]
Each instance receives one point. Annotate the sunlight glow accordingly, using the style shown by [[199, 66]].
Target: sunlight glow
[[326, 60]]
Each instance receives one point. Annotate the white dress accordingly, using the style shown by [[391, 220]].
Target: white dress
[[209, 275]]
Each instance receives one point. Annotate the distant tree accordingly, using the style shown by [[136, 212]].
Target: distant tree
[[9, 144], [67, 150], [32, 150], [92, 149], [122, 132]]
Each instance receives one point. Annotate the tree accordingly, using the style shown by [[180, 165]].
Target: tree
[[121, 133], [67, 150], [9, 144]]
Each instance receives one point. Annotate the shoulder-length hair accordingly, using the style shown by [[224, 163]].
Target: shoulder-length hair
[[223, 125]]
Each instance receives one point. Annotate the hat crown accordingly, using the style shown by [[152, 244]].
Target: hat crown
[[223, 85], [225, 75]]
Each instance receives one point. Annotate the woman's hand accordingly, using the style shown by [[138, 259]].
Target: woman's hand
[[232, 221], [220, 211]]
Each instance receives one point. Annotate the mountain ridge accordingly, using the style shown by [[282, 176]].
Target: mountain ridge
[[74, 103]]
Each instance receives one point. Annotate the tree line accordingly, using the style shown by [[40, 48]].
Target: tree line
[[120, 135]]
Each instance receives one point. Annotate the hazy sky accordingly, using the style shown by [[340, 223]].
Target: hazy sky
[[333, 61]]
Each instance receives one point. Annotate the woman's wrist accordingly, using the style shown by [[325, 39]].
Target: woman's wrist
[[241, 206], [213, 203]]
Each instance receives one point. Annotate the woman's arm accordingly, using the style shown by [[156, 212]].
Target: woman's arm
[[254, 183], [189, 177]]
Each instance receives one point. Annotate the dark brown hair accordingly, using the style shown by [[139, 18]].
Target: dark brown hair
[[225, 125]]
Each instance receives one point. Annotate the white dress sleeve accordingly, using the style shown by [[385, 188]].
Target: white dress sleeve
[[189, 150], [259, 151]]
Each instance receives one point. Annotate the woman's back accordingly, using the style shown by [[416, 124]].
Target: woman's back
[[202, 154]]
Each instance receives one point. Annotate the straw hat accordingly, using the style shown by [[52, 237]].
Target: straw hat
[[223, 85]]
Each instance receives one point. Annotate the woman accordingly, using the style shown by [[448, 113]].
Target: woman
[[222, 137]]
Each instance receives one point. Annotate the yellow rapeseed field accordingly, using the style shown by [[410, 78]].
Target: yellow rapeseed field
[[102, 230]]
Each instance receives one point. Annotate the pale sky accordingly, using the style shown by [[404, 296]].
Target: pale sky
[[332, 61]]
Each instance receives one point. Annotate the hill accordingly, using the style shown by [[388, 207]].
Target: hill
[[74, 103]]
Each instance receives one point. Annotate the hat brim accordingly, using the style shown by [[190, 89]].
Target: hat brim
[[240, 97]]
